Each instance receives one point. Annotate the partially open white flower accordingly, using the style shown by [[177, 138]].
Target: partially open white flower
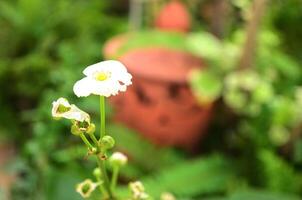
[[63, 109], [104, 78]]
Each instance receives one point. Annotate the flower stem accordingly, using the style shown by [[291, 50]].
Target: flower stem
[[93, 138], [105, 177], [101, 162], [102, 117], [101, 187], [83, 137], [114, 178]]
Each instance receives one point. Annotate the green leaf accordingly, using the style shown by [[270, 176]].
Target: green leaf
[[139, 149], [204, 45], [208, 175], [279, 175], [205, 85]]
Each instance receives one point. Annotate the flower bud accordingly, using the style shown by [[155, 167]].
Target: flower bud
[[75, 130], [97, 172], [92, 151], [118, 159], [91, 129], [107, 142]]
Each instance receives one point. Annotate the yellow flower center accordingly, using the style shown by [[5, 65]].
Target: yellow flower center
[[101, 76]]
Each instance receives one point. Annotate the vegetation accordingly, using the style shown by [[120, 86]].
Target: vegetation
[[253, 149]]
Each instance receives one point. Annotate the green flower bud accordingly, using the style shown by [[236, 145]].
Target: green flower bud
[[75, 130], [118, 159], [90, 129], [97, 172], [107, 142], [93, 150], [82, 127]]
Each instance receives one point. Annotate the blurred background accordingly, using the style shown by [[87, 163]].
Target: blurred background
[[214, 112]]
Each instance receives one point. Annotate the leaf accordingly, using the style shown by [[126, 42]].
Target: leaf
[[278, 175], [192, 178], [204, 45], [205, 85], [139, 149]]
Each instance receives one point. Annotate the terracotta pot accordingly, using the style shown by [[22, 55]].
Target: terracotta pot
[[174, 17], [159, 104]]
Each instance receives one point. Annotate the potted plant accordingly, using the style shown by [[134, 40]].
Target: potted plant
[[160, 65]]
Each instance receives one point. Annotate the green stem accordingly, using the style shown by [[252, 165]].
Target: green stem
[[83, 137], [101, 163], [105, 177], [102, 117], [101, 186], [114, 178], [93, 138]]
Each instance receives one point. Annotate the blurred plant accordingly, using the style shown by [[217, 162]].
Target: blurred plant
[[262, 99], [43, 39], [260, 148]]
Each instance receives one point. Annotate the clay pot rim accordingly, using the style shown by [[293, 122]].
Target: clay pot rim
[[120, 40], [163, 76]]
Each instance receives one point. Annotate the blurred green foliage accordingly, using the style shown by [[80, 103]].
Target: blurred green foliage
[[262, 103], [253, 151]]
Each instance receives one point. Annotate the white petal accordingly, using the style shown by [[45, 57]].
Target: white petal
[[82, 88], [54, 109], [76, 114], [108, 65], [125, 78], [105, 88], [56, 104]]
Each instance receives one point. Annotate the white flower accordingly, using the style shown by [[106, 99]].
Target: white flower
[[118, 159], [138, 190], [62, 108], [104, 78], [86, 188]]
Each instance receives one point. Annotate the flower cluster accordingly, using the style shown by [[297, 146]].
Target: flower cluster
[[104, 79]]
